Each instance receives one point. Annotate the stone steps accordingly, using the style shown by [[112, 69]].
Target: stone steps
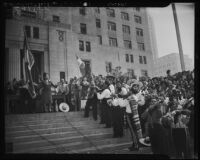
[[54, 133]]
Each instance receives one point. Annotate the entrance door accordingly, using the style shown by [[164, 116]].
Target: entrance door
[[87, 67]]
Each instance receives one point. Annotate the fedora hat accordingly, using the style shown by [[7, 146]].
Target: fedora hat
[[64, 107]]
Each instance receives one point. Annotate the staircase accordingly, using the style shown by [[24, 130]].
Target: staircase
[[63, 133]]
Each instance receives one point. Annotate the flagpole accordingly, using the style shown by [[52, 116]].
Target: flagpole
[[178, 37]]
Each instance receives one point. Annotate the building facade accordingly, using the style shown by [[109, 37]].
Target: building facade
[[103, 38], [172, 62]]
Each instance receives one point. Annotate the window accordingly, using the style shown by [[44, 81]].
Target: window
[[145, 60], [130, 73], [28, 31], [127, 44], [127, 58], [138, 19], [139, 32], [82, 11], [83, 28], [124, 16], [131, 57], [56, 19], [98, 23], [110, 12], [108, 67], [81, 45], [137, 9], [113, 42], [140, 60], [88, 48], [141, 46], [144, 73], [36, 32], [97, 10], [99, 39], [111, 26], [126, 29]]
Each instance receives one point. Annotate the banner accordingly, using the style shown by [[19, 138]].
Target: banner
[[81, 65]]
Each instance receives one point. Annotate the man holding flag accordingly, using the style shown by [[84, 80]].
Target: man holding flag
[[27, 91]]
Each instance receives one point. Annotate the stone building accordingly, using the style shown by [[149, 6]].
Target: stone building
[[103, 38], [172, 62]]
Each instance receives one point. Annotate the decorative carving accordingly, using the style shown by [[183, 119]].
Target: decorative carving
[[60, 35]]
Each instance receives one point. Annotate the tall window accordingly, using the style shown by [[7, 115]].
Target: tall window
[[81, 45], [113, 42], [36, 32], [126, 29], [108, 67], [111, 26], [145, 60], [139, 32], [110, 12], [56, 18], [124, 16], [127, 44], [131, 57], [127, 58], [98, 23], [82, 11], [97, 10], [141, 46], [144, 73], [28, 31], [88, 47], [138, 19], [140, 60], [83, 28], [99, 39]]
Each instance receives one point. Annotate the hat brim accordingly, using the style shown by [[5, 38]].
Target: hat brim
[[64, 107]]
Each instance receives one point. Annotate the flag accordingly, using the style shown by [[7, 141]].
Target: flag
[[27, 54], [28, 61], [81, 65]]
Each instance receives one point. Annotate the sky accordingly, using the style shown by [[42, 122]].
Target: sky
[[165, 28]]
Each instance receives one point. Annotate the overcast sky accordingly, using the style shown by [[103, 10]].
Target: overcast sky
[[165, 28]]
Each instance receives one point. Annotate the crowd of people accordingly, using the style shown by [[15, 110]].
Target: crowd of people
[[159, 112]]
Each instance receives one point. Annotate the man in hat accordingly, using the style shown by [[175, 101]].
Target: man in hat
[[133, 116], [91, 101], [106, 109]]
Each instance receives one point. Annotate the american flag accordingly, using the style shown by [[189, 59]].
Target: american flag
[[28, 62]]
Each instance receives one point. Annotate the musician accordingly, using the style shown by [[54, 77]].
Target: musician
[[46, 96], [106, 110], [91, 101], [133, 117], [118, 112]]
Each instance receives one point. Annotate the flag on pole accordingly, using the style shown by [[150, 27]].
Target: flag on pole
[[28, 62], [27, 54], [81, 65]]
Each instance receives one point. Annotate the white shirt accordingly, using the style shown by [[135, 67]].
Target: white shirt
[[123, 91], [105, 94], [112, 89], [141, 100]]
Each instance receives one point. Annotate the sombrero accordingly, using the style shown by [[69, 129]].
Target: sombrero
[[132, 82], [145, 141], [64, 107]]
